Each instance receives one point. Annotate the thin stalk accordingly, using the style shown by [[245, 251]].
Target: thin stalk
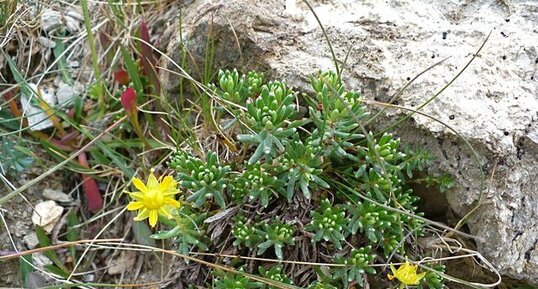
[[95, 58], [336, 67]]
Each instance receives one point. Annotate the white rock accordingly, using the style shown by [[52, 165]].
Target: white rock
[[66, 93], [31, 240], [73, 20], [88, 277], [40, 260], [57, 196], [47, 42], [73, 63], [37, 118], [51, 20], [47, 214], [123, 263]]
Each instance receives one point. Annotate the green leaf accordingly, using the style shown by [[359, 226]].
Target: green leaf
[[62, 64], [143, 234], [304, 188], [44, 241], [25, 267], [8, 120], [320, 181], [116, 159], [162, 235], [258, 154], [25, 88], [72, 232], [78, 105], [278, 252], [220, 199], [133, 71], [264, 246], [55, 270]]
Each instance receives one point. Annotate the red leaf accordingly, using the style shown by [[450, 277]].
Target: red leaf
[[147, 52], [147, 59], [93, 196], [90, 188], [128, 100], [122, 77], [104, 40]]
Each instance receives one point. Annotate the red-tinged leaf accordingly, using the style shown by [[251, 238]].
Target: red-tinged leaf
[[128, 100], [147, 59], [69, 137], [13, 108], [8, 95], [122, 77], [104, 40], [90, 188], [83, 160], [93, 196], [147, 52], [61, 145]]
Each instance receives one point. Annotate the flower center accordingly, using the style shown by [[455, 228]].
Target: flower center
[[153, 199]]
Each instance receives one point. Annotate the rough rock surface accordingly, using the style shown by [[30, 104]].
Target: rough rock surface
[[494, 104]]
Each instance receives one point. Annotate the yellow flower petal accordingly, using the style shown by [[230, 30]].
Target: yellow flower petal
[[420, 276], [164, 212], [153, 217], [172, 202], [166, 183], [137, 196], [406, 274], [393, 269], [140, 185], [142, 214], [135, 206], [152, 182]]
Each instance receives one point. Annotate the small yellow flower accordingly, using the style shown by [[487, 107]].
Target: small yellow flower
[[406, 274], [154, 198]]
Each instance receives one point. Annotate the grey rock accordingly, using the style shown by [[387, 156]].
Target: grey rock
[[57, 196], [52, 20], [67, 92], [494, 104], [37, 118], [46, 214], [31, 240]]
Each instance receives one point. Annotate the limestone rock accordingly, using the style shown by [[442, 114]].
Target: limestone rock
[[123, 263], [47, 214], [57, 196], [67, 92], [31, 240], [36, 116], [494, 104]]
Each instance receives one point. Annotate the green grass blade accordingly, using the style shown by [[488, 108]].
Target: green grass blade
[[25, 267], [44, 241], [133, 71], [58, 51]]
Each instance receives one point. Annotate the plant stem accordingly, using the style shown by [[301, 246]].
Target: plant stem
[[95, 60]]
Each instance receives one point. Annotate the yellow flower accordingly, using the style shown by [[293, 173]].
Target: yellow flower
[[406, 274], [154, 198]]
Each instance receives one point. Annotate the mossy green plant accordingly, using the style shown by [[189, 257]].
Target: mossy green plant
[[288, 179]]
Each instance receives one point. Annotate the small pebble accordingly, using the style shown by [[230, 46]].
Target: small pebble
[[46, 214], [31, 240], [57, 196]]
